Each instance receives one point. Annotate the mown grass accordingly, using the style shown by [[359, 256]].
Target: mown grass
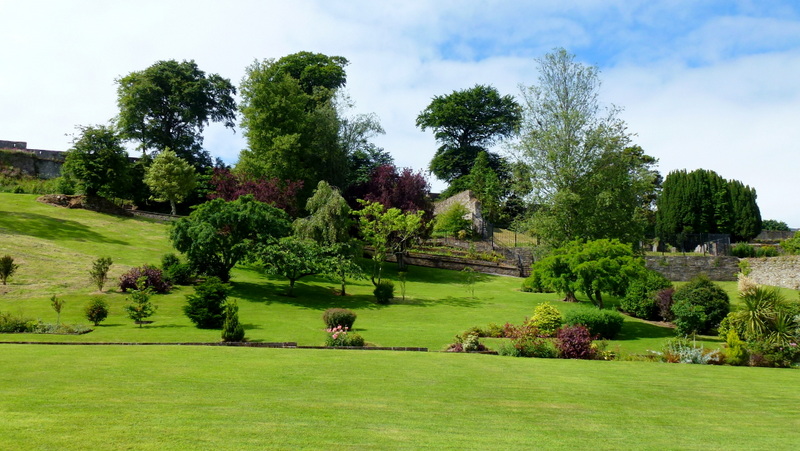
[[124, 397]]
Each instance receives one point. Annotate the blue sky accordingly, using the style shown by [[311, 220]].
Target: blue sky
[[702, 84]]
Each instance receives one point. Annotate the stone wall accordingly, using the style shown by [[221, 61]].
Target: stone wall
[[45, 164], [682, 269], [776, 271], [456, 263]]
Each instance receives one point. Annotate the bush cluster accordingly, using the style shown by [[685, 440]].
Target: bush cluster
[[206, 307], [682, 350], [574, 342], [341, 336], [546, 319], [153, 278], [600, 323], [384, 292], [700, 306], [743, 250], [339, 317], [175, 272], [640, 298]]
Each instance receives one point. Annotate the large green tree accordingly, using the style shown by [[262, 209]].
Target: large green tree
[[291, 122], [218, 234], [167, 106], [587, 180], [171, 178], [388, 231], [98, 162], [466, 123]]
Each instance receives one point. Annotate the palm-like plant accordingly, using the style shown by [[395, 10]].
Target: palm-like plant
[[760, 310], [784, 329]]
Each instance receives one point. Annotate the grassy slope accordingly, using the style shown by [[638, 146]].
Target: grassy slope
[[225, 398], [55, 248]]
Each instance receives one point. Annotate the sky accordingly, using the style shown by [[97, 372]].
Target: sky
[[702, 84]]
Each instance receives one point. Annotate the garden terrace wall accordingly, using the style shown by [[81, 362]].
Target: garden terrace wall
[[684, 268], [45, 164], [456, 263], [776, 271]]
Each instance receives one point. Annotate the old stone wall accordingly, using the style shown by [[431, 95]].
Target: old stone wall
[[45, 164], [682, 269], [776, 271]]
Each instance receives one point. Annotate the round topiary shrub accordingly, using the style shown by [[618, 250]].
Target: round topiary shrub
[[96, 310], [546, 318], [601, 323], [640, 298], [384, 292], [699, 306], [339, 317]]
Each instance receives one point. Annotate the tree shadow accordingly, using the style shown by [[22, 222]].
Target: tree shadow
[[48, 228], [451, 301], [306, 296], [636, 330]]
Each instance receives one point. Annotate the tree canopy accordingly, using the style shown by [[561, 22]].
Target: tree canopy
[[218, 234], [99, 163], [587, 180], [167, 106], [465, 123], [171, 178]]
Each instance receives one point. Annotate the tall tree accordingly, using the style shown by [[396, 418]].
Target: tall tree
[[167, 106], [465, 123], [406, 190], [98, 161], [290, 121], [582, 170], [171, 178], [387, 230], [218, 234]]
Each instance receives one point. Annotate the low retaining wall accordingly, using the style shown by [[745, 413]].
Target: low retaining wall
[[682, 269], [776, 271], [457, 264]]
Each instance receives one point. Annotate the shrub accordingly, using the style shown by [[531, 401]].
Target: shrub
[[452, 221], [681, 350], [601, 323], [494, 330], [10, 324], [745, 284], [525, 342], [743, 250], [700, 306], [534, 283], [153, 279], [7, 268], [774, 354], [466, 342], [96, 310], [640, 300], [169, 260], [176, 272], [575, 342], [341, 336], [206, 307], [767, 251], [735, 353], [546, 318], [140, 306], [339, 317], [384, 292], [232, 330], [664, 303], [99, 272], [791, 245]]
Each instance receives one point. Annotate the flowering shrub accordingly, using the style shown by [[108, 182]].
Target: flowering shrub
[[340, 336], [153, 278], [575, 342]]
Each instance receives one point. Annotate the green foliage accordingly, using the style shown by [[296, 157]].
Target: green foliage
[[682, 350], [546, 319], [99, 272], [58, 305], [766, 251], [594, 267], [232, 330], [744, 267], [98, 162], [701, 201], [601, 323], [534, 283], [774, 225], [735, 352], [791, 245], [329, 220], [170, 178], [700, 306], [7, 268], [206, 307], [218, 234], [339, 317], [96, 310], [176, 272], [290, 121], [453, 221], [743, 250], [466, 123], [341, 336], [640, 296], [384, 292], [167, 106], [387, 231], [294, 258], [469, 278], [11, 324], [140, 307]]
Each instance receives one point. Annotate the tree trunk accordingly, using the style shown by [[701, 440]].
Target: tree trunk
[[291, 288], [172, 206], [570, 297], [599, 297]]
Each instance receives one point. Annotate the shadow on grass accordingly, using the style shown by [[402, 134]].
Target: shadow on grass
[[306, 296], [48, 228], [451, 301], [637, 330]]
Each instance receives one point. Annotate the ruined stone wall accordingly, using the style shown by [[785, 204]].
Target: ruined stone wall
[[45, 164], [682, 269], [776, 271]]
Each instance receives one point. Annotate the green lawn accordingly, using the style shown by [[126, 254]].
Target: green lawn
[[131, 397]]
